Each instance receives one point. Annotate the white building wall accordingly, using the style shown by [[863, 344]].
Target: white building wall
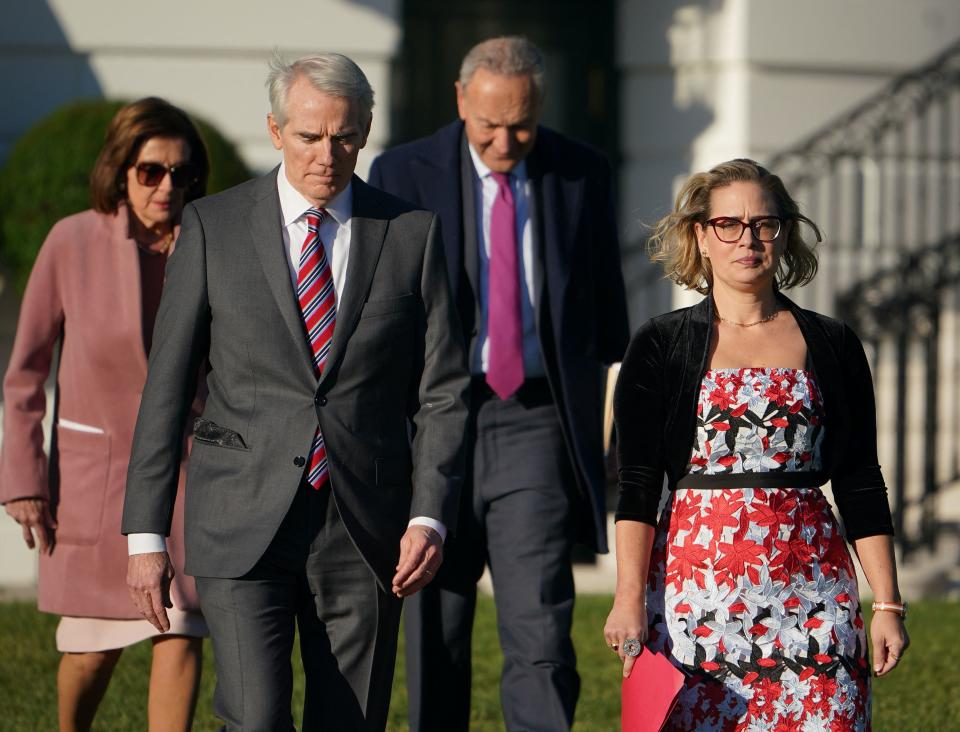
[[208, 56], [703, 82]]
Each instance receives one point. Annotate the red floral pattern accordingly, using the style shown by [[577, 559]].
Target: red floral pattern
[[752, 591]]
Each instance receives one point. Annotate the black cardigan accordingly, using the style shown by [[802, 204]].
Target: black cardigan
[[655, 408]]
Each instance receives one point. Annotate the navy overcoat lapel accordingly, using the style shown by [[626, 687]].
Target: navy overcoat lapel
[[438, 179], [558, 202]]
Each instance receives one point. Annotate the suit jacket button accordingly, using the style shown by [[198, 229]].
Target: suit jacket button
[[321, 401], [299, 461]]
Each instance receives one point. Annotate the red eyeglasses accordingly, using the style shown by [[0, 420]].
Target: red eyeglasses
[[152, 174], [729, 230]]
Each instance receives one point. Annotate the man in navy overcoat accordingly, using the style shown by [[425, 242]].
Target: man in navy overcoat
[[528, 226]]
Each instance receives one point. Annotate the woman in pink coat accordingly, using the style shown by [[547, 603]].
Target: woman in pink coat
[[94, 290]]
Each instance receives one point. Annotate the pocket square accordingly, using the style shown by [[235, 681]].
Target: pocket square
[[206, 431], [385, 306]]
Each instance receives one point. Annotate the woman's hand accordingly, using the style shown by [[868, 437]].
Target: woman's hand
[[890, 640], [627, 619], [887, 634], [33, 515]]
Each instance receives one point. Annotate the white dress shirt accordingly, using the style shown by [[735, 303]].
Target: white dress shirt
[[522, 197], [335, 232]]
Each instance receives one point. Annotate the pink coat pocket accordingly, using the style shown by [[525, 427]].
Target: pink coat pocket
[[84, 466]]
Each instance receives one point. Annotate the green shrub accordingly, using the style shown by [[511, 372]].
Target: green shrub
[[47, 176]]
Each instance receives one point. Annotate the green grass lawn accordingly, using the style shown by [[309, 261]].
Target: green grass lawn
[[918, 696]]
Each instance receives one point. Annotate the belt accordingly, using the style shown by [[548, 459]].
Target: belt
[[533, 392], [720, 481]]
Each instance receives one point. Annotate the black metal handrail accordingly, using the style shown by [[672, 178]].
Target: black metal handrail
[[904, 291], [904, 304], [883, 182], [858, 132]]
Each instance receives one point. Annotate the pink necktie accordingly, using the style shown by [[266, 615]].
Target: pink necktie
[[318, 305], [505, 366]]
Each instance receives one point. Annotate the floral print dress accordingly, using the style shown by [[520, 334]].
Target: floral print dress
[[752, 591]]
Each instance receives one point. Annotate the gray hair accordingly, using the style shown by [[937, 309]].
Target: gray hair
[[330, 73], [506, 56]]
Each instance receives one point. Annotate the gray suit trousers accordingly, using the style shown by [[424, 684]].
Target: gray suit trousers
[[313, 577]]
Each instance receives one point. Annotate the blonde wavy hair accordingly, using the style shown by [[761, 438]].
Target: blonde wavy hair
[[674, 239]]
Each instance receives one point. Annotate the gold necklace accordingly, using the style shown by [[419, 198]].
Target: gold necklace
[[767, 319]]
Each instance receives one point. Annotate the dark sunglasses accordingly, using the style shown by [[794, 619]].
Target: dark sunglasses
[[152, 174]]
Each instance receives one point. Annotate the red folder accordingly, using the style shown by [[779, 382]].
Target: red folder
[[650, 692]]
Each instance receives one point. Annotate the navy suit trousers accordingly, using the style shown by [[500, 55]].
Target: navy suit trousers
[[518, 516]]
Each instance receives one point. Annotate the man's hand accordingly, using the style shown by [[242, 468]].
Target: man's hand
[[148, 581], [421, 554], [33, 515]]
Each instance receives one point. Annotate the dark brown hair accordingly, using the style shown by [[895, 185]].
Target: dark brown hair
[[129, 129], [674, 241]]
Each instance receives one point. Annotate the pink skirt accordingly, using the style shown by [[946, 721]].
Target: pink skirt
[[89, 635]]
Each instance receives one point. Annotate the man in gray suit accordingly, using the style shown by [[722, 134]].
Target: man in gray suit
[[321, 310]]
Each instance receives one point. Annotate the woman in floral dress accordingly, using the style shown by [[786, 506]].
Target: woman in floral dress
[[748, 404]]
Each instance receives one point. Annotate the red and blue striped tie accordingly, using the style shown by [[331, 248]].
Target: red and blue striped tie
[[318, 305]]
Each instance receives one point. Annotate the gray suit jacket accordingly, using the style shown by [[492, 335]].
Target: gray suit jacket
[[396, 367]]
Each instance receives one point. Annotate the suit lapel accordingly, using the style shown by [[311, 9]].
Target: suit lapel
[[442, 188], [439, 188], [129, 283], [264, 222], [537, 209], [557, 204], [469, 247], [366, 240]]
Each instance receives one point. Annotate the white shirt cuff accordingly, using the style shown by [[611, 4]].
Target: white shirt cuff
[[430, 523], [145, 543]]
